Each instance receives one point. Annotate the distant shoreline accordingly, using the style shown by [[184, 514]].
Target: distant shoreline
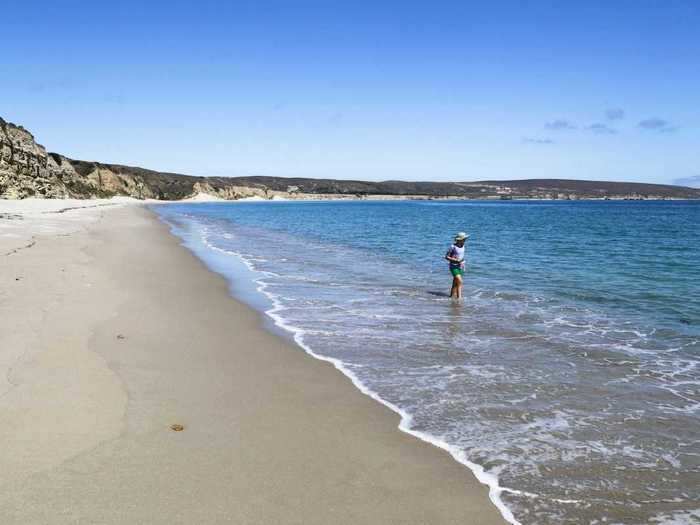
[[203, 198]]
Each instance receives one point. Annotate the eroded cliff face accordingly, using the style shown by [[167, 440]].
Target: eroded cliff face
[[25, 167], [28, 170], [230, 191]]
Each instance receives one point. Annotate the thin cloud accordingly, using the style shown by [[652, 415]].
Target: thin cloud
[[114, 98], [602, 129], [336, 119], [657, 124], [615, 114], [530, 140], [62, 84], [559, 125], [653, 123], [692, 182]]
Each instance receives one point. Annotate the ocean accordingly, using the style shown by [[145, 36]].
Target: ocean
[[568, 376]]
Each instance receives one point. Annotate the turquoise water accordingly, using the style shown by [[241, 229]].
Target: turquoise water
[[568, 373]]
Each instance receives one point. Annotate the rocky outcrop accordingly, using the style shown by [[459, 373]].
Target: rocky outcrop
[[25, 167], [230, 191], [27, 170]]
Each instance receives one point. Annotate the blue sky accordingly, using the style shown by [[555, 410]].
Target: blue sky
[[364, 90]]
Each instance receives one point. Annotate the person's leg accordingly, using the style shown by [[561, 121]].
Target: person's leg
[[453, 290], [458, 283]]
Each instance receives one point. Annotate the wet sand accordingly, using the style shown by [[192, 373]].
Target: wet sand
[[111, 332]]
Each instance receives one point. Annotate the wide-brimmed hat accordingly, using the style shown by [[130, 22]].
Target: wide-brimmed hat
[[461, 236]]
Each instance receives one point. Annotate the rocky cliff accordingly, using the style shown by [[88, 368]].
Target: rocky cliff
[[28, 170]]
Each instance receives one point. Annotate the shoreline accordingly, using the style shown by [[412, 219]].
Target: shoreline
[[269, 434], [277, 325]]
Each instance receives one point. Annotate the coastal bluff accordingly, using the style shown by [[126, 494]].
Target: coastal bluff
[[28, 170]]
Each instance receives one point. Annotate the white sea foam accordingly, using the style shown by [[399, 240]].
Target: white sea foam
[[677, 518], [486, 478]]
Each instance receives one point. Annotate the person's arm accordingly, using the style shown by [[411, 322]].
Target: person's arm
[[449, 257]]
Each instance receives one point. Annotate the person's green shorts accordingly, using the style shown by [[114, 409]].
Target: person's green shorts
[[456, 271]]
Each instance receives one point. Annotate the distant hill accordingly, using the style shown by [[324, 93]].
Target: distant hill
[[27, 170]]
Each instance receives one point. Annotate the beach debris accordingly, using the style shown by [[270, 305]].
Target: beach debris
[[121, 336], [177, 427]]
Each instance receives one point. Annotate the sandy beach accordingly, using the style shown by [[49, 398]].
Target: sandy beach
[[111, 333]]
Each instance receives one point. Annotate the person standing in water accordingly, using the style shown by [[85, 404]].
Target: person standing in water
[[455, 256]]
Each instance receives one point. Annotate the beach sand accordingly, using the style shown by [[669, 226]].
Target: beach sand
[[111, 332]]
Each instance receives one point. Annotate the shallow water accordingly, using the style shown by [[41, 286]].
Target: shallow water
[[569, 372]]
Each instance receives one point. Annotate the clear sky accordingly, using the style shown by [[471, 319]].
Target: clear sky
[[376, 90]]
